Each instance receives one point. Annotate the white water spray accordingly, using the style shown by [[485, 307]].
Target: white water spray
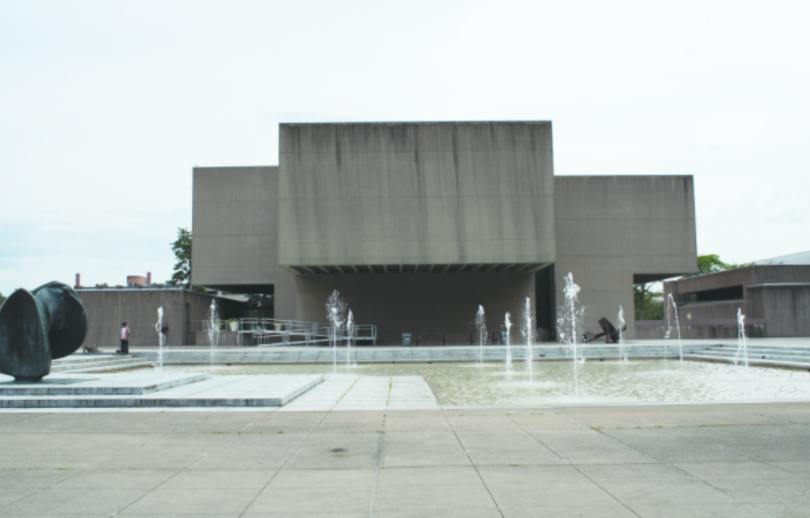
[[213, 329], [528, 335], [622, 357], [158, 328], [742, 346], [567, 325], [481, 326], [507, 324], [677, 325], [335, 311], [349, 336]]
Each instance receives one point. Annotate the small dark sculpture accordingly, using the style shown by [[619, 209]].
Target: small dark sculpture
[[610, 333], [40, 326]]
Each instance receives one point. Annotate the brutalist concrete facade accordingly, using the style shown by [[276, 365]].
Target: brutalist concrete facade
[[775, 298], [419, 223], [183, 311]]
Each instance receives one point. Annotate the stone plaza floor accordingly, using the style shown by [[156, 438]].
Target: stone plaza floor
[[708, 460]]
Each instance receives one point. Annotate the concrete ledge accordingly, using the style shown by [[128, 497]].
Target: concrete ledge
[[84, 385], [211, 391]]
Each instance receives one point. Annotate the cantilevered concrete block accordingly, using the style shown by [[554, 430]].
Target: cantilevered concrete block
[[416, 193]]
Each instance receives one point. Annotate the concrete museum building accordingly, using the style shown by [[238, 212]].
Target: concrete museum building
[[416, 224]]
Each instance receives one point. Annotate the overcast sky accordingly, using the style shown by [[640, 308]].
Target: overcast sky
[[106, 106]]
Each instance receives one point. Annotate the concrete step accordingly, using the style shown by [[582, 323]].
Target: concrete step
[[770, 355], [98, 361], [105, 367], [766, 350], [751, 361]]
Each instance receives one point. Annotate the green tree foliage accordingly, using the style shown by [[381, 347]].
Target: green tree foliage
[[182, 267], [2, 298], [182, 253], [649, 305], [260, 300], [712, 263]]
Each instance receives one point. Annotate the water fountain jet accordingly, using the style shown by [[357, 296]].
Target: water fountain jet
[[527, 335], [158, 328], [213, 329], [349, 336], [622, 358], [335, 310], [567, 325], [481, 326], [507, 324], [742, 346]]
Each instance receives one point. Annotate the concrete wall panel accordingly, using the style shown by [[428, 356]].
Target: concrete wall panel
[[235, 232], [416, 193], [611, 227]]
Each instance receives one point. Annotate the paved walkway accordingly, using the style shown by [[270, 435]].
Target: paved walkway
[[660, 461]]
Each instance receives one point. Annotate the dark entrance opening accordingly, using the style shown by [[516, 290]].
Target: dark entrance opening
[[544, 304]]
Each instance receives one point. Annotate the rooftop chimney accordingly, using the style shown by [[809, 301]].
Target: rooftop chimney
[[148, 278], [78, 280]]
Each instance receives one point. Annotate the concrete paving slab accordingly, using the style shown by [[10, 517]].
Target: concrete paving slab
[[313, 499], [506, 448], [56, 501], [432, 496], [417, 449], [738, 510], [194, 501], [590, 511]]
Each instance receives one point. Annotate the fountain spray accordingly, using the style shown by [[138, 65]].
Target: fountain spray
[[213, 329], [621, 338], [158, 328], [742, 346], [481, 326], [335, 309], [349, 336], [677, 324], [527, 335], [507, 324], [569, 312]]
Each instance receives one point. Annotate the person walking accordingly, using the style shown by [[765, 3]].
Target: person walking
[[124, 339]]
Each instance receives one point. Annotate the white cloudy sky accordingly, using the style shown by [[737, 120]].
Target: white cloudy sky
[[105, 106]]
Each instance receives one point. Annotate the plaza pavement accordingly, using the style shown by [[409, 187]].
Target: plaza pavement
[[718, 460]]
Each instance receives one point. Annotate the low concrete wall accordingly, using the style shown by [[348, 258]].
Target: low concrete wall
[[645, 332]]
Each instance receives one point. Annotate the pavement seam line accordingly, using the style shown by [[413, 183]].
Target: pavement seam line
[[187, 466], [474, 466], [380, 445], [735, 497], [575, 467], [290, 456], [94, 466]]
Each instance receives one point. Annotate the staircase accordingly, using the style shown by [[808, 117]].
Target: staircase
[[763, 355], [87, 363]]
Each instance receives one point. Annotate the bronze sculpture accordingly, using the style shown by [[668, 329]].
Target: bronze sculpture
[[39, 326]]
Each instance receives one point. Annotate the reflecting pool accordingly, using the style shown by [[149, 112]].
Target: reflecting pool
[[602, 382]]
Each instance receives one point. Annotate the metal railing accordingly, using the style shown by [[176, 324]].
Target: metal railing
[[276, 332]]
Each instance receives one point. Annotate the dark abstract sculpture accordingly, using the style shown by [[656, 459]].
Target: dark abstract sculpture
[[610, 333], [40, 326]]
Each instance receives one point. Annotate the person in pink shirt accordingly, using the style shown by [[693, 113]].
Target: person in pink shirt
[[124, 339]]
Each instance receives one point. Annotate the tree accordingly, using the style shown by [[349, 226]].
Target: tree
[[712, 263], [260, 300], [2, 299], [182, 268], [648, 305]]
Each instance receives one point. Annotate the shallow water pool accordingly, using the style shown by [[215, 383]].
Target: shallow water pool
[[553, 382]]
